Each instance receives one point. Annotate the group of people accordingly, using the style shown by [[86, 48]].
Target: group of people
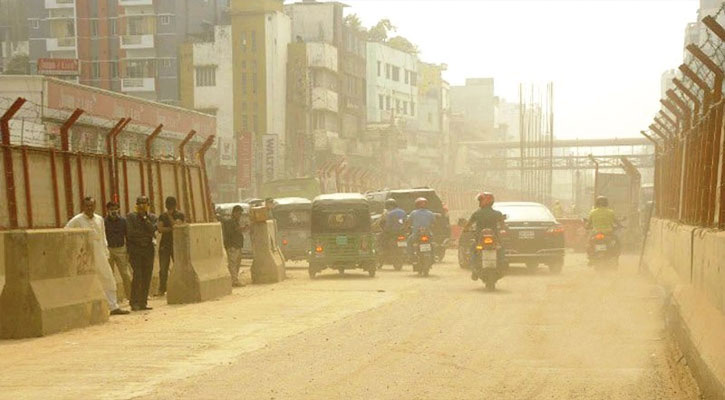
[[129, 245]]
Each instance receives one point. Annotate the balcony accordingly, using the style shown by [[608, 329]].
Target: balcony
[[130, 3], [138, 85], [130, 42], [322, 55], [324, 99], [60, 44], [50, 4]]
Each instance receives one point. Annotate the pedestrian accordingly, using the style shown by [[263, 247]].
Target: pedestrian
[[233, 233], [165, 226], [269, 204], [141, 228], [116, 238], [88, 219]]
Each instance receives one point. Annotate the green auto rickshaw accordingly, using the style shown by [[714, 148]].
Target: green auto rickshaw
[[341, 234], [293, 226]]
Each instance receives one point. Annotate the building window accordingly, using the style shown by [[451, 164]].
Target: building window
[[206, 76], [95, 70], [396, 74], [387, 71], [112, 26], [113, 67], [253, 41], [405, 107], [254, 83], [380, 68], [94, 27], [412, 108], [407, 76], [387, 103], [166, 63], [413, 78], [165, 19], [35, 24], [381, 101], [244, 41], [397, 106]]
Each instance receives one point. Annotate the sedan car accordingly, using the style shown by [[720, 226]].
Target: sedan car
[[533, 236]]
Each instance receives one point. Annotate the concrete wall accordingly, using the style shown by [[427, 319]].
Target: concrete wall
[[689, 262]]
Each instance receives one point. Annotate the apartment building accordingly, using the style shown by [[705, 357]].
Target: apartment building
[[261, 33], [129, 46], [392, 86]]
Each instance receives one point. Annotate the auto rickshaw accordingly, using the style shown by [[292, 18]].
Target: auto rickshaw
[[341, 234], [293, 226]]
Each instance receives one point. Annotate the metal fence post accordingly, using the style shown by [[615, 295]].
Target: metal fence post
[[8, 160], [65, 147]]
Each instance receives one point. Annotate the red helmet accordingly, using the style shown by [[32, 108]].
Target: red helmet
[[421, 202], [485, 199]]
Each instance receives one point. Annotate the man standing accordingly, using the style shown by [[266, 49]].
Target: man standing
[[269, 205], [116, 238], [233, 232], [88, 219], [165, 226], [141, 227]]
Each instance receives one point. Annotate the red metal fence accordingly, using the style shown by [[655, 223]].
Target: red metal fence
[[45, 186], [688, 133]]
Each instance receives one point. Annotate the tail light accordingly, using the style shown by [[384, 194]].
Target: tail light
[[488, 240], [556, 230], [401, 238], [285, 242], [599, 236], [425, 239], [318, 249]]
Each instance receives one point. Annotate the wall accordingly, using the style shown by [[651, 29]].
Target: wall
[[277, 37], [689, 263]]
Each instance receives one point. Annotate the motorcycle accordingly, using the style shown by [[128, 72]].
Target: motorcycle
[[603, 250], [393, 250], [486, 258], [423, 253]]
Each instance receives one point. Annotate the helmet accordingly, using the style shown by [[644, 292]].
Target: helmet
[[485, 199], [390, 204], [601, 201], [421, 202]]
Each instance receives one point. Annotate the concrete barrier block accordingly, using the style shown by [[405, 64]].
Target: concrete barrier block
[[709, 266], [199, 273], [50, 284], [268, 265]]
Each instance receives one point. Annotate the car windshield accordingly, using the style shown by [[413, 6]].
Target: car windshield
[[525, 212], [354, 220], [406, 200]]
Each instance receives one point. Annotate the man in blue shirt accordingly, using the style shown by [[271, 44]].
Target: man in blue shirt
[[421, 219], [394, 217]]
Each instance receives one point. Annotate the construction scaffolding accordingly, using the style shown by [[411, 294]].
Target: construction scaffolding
[[536, 122]]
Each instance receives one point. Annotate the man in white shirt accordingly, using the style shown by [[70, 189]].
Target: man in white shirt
[[88, 219]]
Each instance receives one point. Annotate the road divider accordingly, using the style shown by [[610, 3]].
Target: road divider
[[50, 283], [268, 265]]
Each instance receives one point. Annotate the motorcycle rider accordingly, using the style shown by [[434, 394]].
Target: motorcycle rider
[[485, 218], [603, 220], [419, 219], [392, 220]]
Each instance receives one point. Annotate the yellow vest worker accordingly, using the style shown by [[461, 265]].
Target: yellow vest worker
[[602, 219]]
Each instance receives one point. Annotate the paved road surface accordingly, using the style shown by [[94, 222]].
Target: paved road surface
[[579, 335]]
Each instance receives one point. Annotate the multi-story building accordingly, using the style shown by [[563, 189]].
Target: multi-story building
[[433, 126], [205, 76], [13, 31], [261, 33], [392, 85], [476, 102], [322, 22], [130, 46]]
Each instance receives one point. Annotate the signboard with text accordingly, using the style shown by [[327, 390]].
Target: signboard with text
[[244, 160], [270, 157], [58, 66]]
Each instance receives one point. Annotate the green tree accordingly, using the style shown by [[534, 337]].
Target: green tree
[[19, 64], [379, 32], [403, 44], [353, 21]]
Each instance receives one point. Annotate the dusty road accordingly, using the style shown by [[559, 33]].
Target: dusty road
[[579, 335]]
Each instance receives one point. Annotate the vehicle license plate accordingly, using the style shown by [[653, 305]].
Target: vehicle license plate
[[341, 240], [600, 247], [425, 247], [402, 244], [527, 235], [489, 255]]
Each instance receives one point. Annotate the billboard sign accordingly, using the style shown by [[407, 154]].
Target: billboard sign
[[227, 151], [270, 154], [58, 66]]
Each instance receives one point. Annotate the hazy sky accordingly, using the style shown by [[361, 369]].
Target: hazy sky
[[605, 57]]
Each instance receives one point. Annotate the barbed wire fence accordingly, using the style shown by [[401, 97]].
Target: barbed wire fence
[[688, 133]]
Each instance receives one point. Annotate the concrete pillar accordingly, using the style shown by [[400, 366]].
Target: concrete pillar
[[198, 273], [268, 265], [50, 283]]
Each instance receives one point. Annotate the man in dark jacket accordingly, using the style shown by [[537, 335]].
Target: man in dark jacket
[[233, 232], [141, 228], [165, 226], [116, 238]]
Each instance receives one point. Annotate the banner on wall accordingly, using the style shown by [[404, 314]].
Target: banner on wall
[[270, 157]]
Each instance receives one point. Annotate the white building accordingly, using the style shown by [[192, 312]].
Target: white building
[[476, 102], [392, 88]]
